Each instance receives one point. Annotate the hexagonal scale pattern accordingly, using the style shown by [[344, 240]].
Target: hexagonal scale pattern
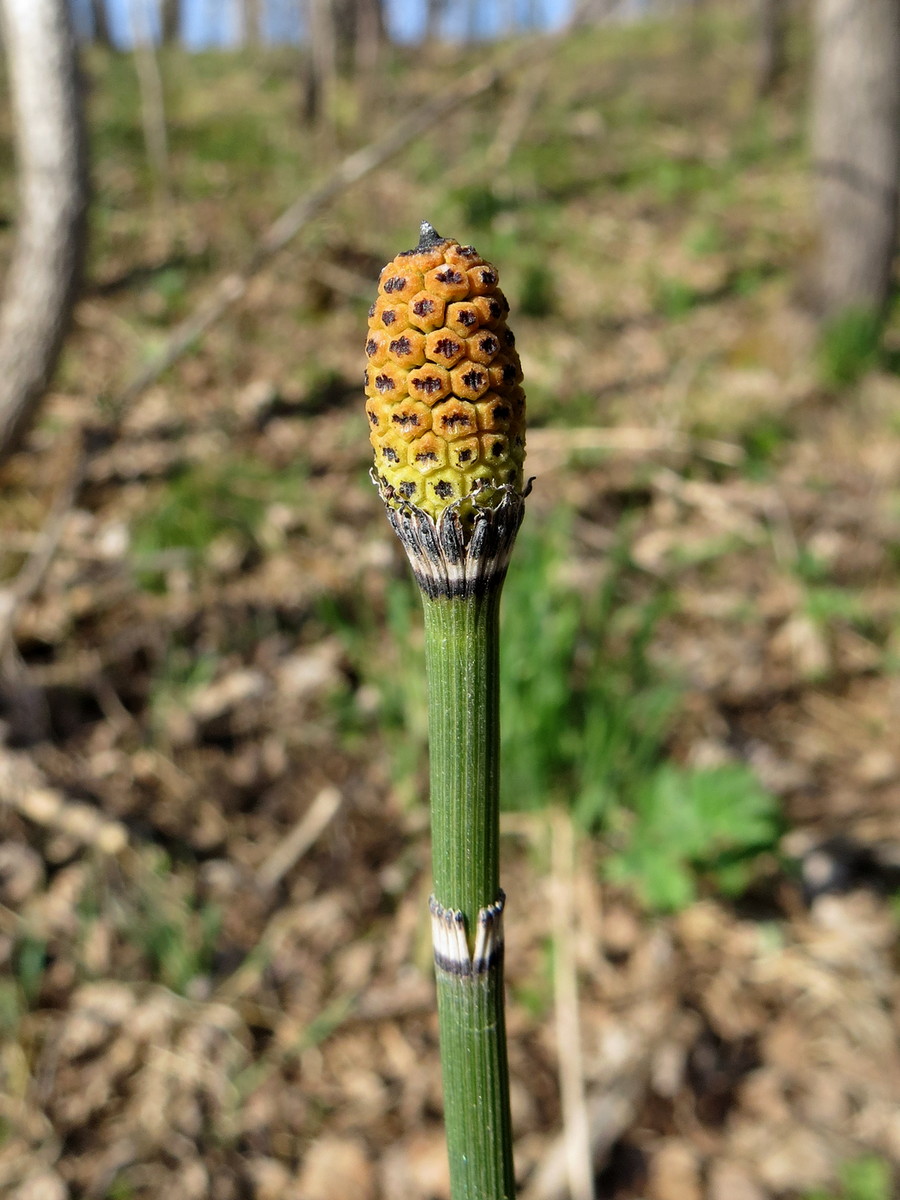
[[445, 407]]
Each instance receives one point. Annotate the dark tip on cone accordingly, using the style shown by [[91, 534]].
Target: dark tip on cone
[[428, 237]]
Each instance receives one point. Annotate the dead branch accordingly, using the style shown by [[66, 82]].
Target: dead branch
[[24, 788], [355, 167], [301, 838], [609, 1114], [576, 1134], [292, 221], [295, 218], [150, 88], [32, 574], [519, 111]]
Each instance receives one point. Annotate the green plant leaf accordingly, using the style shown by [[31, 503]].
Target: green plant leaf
[[689, 823]]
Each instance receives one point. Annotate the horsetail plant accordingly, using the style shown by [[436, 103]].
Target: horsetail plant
[[447, 423]]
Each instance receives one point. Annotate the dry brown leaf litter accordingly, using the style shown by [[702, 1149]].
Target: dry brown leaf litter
[[753, 1055], [729, 1053]]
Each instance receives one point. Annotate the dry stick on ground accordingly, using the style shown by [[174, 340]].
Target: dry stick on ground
[[233, 287], [518, 112], [28, 704], [32, 574], [295, 218], [355, 167], [150, 88], [301, 838], [24, 788], [299, 214], [576, 1125], [610, 1112], [555, 447]]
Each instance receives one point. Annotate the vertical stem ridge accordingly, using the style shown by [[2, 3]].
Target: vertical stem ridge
[[476, 1084], [461, 655], [461, 647]]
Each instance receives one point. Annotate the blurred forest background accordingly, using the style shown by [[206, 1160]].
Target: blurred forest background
[[216, 965]]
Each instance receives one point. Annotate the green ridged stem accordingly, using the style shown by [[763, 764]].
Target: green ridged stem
[[476, 1085], [462, 663], [462, 659]]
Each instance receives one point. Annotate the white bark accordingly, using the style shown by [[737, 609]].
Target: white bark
[[40, 285], [856, 149]]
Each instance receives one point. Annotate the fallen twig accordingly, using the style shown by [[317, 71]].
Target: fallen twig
[[576, 1123], [554, 447], [234, 286], [32, 574], [305, 834], [609, 1113], [295, 218], [24, 788]]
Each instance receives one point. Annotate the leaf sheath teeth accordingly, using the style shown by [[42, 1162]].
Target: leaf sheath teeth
[[451, 948]]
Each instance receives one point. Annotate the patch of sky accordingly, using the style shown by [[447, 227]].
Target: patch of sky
[[208, 24]]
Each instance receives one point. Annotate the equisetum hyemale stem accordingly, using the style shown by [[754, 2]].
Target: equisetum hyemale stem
[[447, 423]]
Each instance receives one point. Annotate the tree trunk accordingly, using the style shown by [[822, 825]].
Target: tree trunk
[[856, 150], [170, 21], [52, 182], [434, 14], [773, 26], [472, 14], [371, 34], [321, 80], [150, 87], [252, 22], [100, 18]]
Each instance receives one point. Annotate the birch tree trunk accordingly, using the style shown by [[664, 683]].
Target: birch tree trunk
[[52, 182], [856, 150]]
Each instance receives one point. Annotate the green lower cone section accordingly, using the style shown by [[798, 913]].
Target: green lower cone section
[[476, 1085], [461, 646]]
